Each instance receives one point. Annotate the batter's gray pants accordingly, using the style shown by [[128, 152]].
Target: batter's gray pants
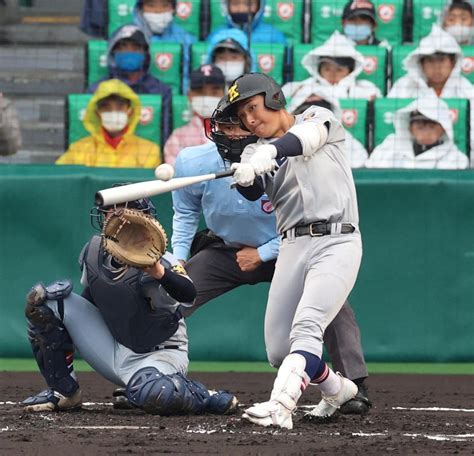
[[215, 271], [103, 353]]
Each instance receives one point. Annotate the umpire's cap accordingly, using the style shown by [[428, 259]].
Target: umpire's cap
[[252, 84]]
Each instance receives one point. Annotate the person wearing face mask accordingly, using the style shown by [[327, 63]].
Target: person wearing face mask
[[359, 23], [128, 59], [207, 86], [458, 20], [335, 65], [247, 15], [423, 139], [111, 117], [229, 50], [156, 19]]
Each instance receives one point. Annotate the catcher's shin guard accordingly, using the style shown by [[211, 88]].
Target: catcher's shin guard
[[49, 339], [289, 384], [164, 395]]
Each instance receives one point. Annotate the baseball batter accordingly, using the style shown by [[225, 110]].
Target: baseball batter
[[300, 162], [127, 325]]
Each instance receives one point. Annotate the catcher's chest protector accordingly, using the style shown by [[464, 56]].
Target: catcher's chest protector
[[128, 314]]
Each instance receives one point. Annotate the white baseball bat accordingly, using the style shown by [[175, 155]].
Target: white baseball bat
[[131, 192]]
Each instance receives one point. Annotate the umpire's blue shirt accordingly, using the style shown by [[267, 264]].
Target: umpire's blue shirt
[[228, 214]]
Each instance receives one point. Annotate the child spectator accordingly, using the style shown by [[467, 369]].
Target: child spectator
[[247, 15], [359, 22], [319, 96], [128, 59], [458, 20], [229, 50], [423, 138], [111, 117], [10, 136], [207, 88], [335, 65], [156, 19]]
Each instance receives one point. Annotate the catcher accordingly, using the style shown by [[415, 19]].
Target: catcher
[[127, 323]]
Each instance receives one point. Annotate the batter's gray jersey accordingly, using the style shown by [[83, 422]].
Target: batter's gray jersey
[[320, 188]]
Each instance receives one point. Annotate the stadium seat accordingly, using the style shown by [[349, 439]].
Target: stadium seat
[[188, 14], [385, 108], [354, 118], [425, 13], [400, 52], [326, 17], [285, 16], [149, 126], [375, 69], [165, 64], [270, 58], [182, 112]]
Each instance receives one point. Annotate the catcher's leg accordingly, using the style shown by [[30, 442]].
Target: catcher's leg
[[53, 350], [173, 394]]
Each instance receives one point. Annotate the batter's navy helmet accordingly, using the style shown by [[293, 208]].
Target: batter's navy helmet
[[252, 84]]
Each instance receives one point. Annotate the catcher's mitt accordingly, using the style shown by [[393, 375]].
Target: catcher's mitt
[[134, 238]]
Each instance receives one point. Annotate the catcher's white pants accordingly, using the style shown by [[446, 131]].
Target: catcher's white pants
[[313, 278], [103, 353]]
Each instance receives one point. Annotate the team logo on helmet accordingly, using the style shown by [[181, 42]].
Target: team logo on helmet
[[233, 92], [164, 60], [146, 115], [184, 10]]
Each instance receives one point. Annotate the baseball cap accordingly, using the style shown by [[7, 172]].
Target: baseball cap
[[230, 44], [206, 74], [356, 8], [132, 33], [417, 115], [346, 62]]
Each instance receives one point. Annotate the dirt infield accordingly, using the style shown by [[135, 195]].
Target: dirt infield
[[412, 414]]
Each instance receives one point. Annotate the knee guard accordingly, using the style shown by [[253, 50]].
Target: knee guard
[[51, 344], [164, 395]]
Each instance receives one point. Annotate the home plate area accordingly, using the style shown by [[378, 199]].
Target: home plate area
[[412, 414]]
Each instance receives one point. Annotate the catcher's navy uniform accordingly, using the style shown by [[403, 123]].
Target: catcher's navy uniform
[[128, 327]]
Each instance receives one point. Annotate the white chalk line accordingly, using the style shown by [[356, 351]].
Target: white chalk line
[[434, 409]]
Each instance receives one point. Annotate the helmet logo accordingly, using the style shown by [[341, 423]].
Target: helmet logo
[[233, 92]]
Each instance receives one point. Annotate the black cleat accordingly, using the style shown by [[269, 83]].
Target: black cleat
[[359, 405], [120, 400]]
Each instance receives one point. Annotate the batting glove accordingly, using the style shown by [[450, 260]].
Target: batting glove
[[263, 159], [244, 174]]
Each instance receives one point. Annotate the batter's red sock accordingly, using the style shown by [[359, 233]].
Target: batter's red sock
[[328, 382]]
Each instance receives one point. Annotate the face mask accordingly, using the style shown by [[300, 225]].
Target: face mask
[[357, 32], [114, 121], [129, 61], [158, 21], [204, 106], [232, 70], [461, 33], [241, 18]]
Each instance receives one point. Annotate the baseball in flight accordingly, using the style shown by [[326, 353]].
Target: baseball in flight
[[164, 172]]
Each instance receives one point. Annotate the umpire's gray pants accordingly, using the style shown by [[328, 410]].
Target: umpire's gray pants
[[215, 271], [95, 343]]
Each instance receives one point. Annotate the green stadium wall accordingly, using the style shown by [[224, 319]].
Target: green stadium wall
[[413, 297]]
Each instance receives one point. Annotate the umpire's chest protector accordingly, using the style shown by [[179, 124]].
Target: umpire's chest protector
[[129, 315]]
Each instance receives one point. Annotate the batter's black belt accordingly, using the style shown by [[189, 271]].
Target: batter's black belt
[[317, 229], [165, 347]]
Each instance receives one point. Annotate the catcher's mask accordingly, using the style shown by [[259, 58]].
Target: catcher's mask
[[229, 147], [99, 213]]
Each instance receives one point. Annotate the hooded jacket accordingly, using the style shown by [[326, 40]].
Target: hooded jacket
[[94, 150], [337, 45], [355, 150], [236, 35], [261, 32], [414, 82], [397, 149], [173, 33], [147, 84]]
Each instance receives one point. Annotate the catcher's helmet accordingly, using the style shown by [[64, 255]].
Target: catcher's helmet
[[98, 213], [229, 148], [251, 84]]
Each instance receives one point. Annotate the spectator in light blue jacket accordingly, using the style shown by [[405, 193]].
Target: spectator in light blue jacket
[[156, 19], [237, 14], [229, 50]]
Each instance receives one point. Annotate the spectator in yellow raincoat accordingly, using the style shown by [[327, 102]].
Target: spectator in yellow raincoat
[[111, 118]]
